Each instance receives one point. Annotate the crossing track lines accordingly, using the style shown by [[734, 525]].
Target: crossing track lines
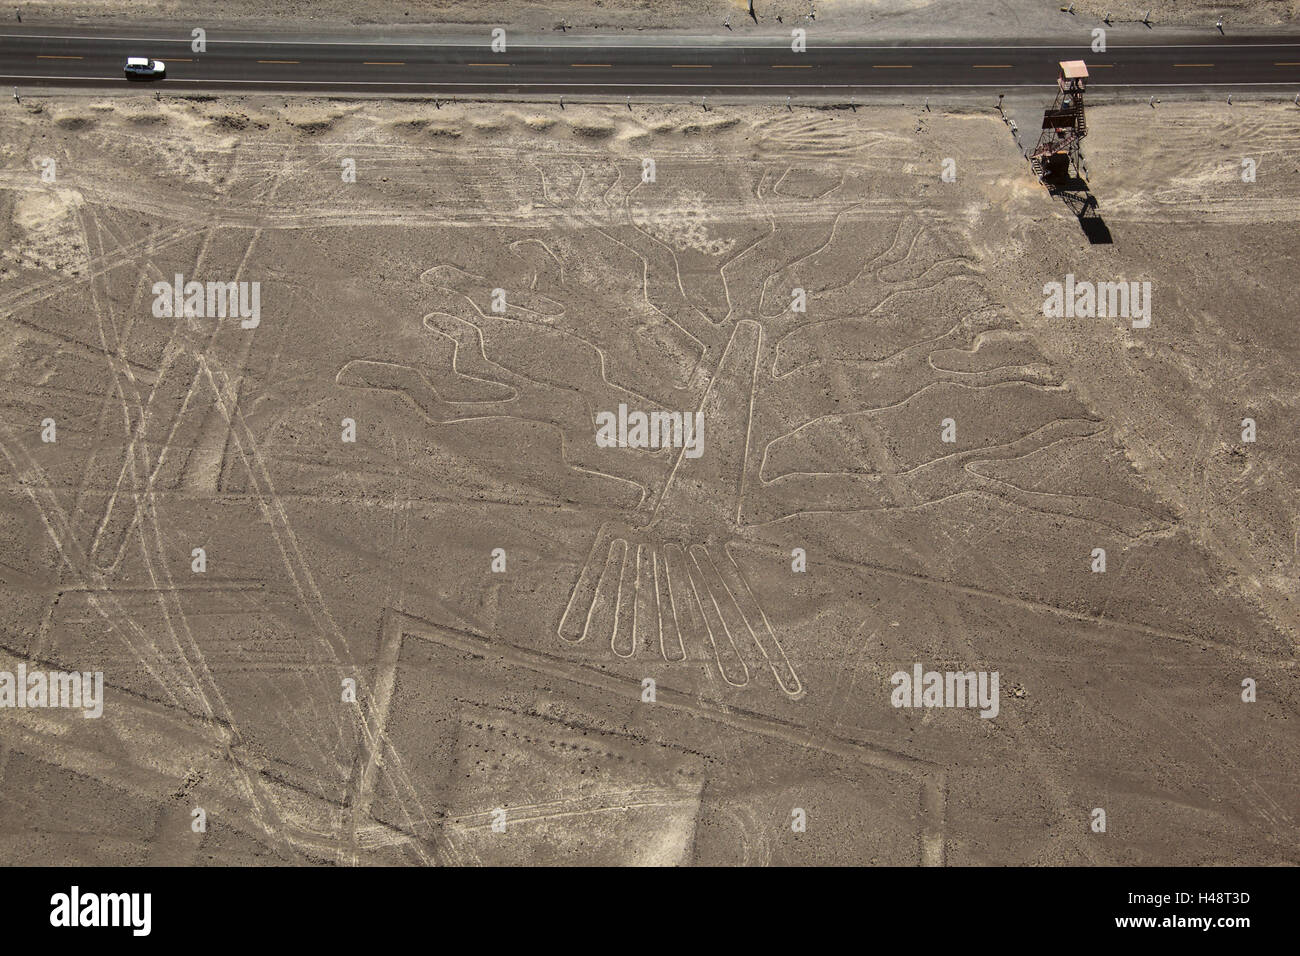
[[481, 653]]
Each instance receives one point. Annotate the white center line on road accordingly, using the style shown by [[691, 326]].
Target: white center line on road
[[606, 42], [317, 85], [602, 86]]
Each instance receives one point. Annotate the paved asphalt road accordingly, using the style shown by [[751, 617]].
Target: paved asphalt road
[[618, 66]]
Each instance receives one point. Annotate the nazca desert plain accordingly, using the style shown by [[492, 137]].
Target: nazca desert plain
[[522, 690], [946, 18]]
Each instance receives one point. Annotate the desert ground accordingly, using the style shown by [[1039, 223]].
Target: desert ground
[[499, 588], [947, 18]]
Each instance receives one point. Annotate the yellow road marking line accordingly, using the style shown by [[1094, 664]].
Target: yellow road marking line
[[41, 56], [383, 63], [692, 66], [1296, 63], [1193, 64], [487, 64], [604, 65], [990, 66], [1100, 65], [277, 61], [792, 66], [891, 66]]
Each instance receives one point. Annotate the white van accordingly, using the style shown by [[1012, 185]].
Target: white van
[[142, 68]]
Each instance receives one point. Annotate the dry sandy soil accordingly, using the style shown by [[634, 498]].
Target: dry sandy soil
[[915, 17], [522, 690]]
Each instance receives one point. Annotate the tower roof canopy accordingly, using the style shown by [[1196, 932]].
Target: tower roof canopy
[[1074, 69]]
